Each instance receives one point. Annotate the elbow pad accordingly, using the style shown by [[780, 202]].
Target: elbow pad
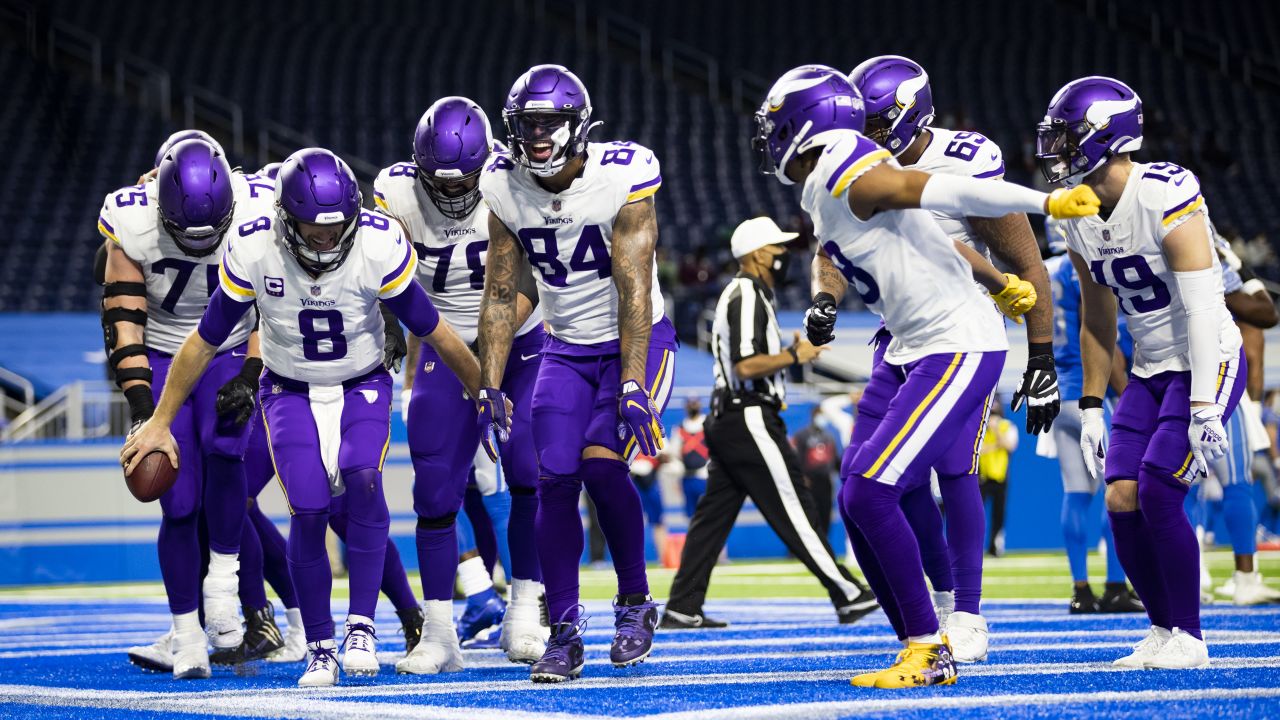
[[1201, 299], [970, 197]]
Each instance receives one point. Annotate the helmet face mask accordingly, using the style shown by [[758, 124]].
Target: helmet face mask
[[547, 117], [454, 197], [194, 197], [1058, 152], [302, 237], [318, 203], [451, 145]]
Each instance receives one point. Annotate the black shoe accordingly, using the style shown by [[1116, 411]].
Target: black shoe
[[673, 620], [1082, 601], [411, 625], [261, 638], [862, 605], [1118, 598]]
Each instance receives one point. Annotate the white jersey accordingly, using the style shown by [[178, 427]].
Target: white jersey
[[451, 253], [568, 236], [968, 154], [178, 284], [1125, 253], [899, 262], [324, 329]]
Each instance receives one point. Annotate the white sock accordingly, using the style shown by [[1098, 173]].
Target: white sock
[[223, 563], [187, 622], [359, 619], [323, 644], [473, 576], [930, 639], [294, 616]]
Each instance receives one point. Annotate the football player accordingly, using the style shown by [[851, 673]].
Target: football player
[[1151, 254], [582, 214], [315, 268], [437, 199], [925, 402]]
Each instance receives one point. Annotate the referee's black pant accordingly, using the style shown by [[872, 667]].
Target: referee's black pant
[[751, 457]]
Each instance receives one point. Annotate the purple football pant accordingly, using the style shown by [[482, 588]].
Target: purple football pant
[[575, 406], [365, 423], [444, 437], [911, 417], [210, 474], [1156, 544]]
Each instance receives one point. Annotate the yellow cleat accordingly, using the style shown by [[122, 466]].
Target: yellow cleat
[[869, 679], [920, 665], [1017, 297]]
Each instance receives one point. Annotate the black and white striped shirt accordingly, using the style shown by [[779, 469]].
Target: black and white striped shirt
[[745, 325]]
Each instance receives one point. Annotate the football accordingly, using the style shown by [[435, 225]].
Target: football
[[152, 477]]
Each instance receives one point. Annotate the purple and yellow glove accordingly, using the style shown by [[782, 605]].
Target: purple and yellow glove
[[494, 420], [637, 411]]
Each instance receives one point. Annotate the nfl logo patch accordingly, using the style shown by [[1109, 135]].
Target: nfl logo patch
[[315, 291], [1106, 236], [555, 206], [622, 431], [429, 366]]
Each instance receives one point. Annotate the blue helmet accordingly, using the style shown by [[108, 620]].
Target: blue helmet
[[317, 188], [195, 196], [804, 107]]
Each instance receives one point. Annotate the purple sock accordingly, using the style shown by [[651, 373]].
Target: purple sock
[[275, 561], [437, 559], [1136, 553], [608, 482], [1161, 499], [224, 500], [520, 535], [309, 568], [558, 527], [874, 507], [966, 531], [253, 592], [926, 522], [395, 582], [179, 549], [367, 525], [871, 569]]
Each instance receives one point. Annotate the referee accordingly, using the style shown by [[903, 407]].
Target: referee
[[747, 440]]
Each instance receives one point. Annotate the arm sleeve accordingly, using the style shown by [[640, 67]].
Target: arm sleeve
[[1201, 299], [412, 306], [220, 317], [972, 197]]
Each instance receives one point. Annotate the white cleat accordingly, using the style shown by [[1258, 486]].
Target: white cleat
[[190, 655], [438, 651], [295, 640], [1247, 589], [360, 649], [322, 665], [222, 601], [1146, 649], [944, 603], [156, 657], [1180, 652], [523, 636], [967, 634]]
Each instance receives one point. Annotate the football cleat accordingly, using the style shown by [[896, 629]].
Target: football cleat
[[1118, 598], [1083, 601], [483, 611], [1248, 589], [261, 638], [295, 642], [563, 659], [322, 665], [156, 657], [672, 620], [524, 637], [944, 603], [918, 665], [862, 605], [967, 635], [1146, 649], [360, 649], [489, 638], [635, 619], [221, 602], [439, 651], [411, 627], [1180, 652], [869, 679], [190, 655]]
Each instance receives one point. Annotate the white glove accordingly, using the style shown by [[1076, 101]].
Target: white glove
[[486, 473], [1208, 440], [1093, 441], [405, 394]]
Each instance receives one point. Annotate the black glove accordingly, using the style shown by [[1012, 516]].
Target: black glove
[[141, 405], [820, 319], [395, 347], [1039, 390], [238, 397]]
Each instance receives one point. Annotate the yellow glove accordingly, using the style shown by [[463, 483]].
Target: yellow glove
[[1016, 298], [1079, 201]]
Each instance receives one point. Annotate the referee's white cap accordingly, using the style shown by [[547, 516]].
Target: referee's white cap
[[753, 234]]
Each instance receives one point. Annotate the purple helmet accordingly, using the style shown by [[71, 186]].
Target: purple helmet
[[899, 101], [548, 112], [450, 147], [181, 135], [1088, 121], [316, 187], [803, 108], [270, 170], [193, 189]]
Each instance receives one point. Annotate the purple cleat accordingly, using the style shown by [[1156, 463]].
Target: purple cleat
[[635, 617], [563, 659]]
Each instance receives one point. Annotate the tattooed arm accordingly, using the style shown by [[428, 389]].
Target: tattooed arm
[[825, 278], [498, 321], [1011, 240], [635, 237]]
